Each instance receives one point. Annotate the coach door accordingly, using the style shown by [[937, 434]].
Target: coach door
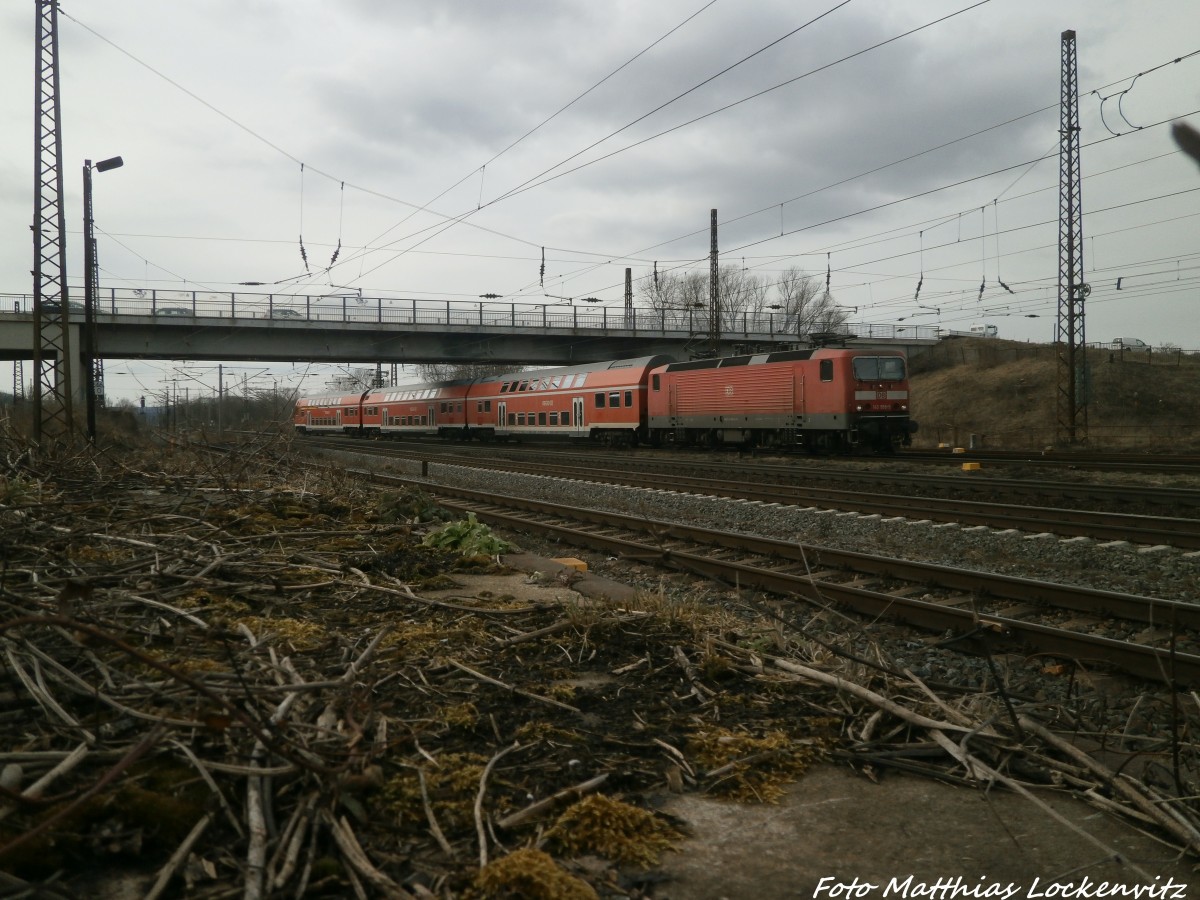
[[577, 412], [501, 412]]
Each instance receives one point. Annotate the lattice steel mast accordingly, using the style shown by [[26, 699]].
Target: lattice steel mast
[[52, 413], [1069, 338], [714, 288]]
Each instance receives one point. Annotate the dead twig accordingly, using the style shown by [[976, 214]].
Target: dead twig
[[487, 770], [536, 809], [353, 853], [511, 688], [172, 865]]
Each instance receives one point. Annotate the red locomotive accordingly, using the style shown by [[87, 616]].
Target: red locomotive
[[823, 400]]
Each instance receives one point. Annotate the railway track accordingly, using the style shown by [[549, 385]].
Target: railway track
[[884, 473], [723, 481], [973, 610]]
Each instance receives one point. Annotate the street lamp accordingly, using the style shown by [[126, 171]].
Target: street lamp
[[90, 278]]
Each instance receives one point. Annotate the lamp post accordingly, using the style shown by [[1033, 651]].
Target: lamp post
[[90, 278]]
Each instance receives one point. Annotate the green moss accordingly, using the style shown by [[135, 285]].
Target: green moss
[[613, 829], [529, 874]]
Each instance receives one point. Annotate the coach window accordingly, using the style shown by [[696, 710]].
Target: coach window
[[487, 405], [553, 418], [523, 386], [566, 418], [520, 418], [478, 406], [827, 370], [504, 388], [629, 398], [541, 418], [614, 399], [599, 400], [512, 418]]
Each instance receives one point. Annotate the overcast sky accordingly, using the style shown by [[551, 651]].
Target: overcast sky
[[575, 126]]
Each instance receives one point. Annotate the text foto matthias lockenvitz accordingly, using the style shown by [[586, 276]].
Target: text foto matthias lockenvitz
[[956, 887]]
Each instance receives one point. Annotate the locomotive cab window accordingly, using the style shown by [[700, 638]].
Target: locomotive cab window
[[879, 368], [827, 370], [655, 382]]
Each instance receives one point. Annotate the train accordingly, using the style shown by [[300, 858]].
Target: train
[[824, 400]]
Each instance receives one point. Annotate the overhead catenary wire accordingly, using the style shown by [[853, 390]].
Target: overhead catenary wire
[[781, 204], [996, 222], [303, 254], [922, 279], [341, 215]]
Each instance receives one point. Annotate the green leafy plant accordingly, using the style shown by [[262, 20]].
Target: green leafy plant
[[468, 536]]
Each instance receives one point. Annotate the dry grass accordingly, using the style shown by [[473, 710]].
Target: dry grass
[[1006, 394]]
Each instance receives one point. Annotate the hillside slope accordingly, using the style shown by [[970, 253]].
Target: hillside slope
[[1005, 394]]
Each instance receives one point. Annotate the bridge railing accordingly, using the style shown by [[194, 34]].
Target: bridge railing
[[486, 314]]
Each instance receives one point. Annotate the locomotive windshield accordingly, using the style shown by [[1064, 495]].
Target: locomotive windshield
[[879, 368]]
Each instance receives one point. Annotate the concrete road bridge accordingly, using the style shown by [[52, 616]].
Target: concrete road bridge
[[209, 325]]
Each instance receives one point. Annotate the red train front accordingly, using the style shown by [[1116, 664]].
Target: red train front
[[825, 400]]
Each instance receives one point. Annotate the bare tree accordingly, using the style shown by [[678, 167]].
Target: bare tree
[[740, 294], [352, 380], [678, 297], [803, 304], [806, 305], [659, 292], [431, 372]]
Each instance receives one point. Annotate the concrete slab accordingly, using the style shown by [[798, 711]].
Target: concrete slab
[[837, 829]]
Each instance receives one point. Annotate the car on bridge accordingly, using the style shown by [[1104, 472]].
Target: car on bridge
[[280, 312], [173, 311], [55, 305]]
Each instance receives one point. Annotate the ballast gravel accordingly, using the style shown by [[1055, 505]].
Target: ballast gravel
[[1161, 572]]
